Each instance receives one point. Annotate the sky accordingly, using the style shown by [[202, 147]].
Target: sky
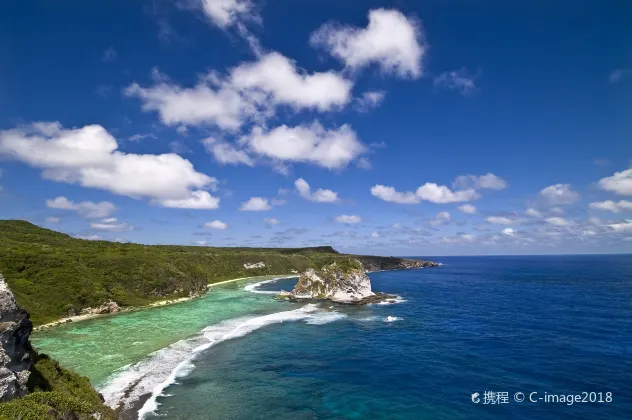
[[436, 127]]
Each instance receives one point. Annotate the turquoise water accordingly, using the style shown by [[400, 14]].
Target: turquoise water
[[514, 324]]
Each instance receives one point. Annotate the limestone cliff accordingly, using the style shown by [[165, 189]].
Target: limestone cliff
[[15, 348]]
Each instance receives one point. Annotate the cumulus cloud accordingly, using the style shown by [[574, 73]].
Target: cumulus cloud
[[467, 209], [198, 200], [619, 183], [622, 227], [391, 40], [225, 153], [457, 80], [559, 194], [320, 195], [271, 221], [88, 156], [112, 225], [613, 206], [248, 92], [348, 219], [391, 195], [87, 209], [216, 224], [225, 13], [434, 193], [256, 204], [488, 181], [331, 149], [441, 218], [509, 232], [441, 194]]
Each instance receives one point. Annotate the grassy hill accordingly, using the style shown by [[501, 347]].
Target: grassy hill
[[51, 273]]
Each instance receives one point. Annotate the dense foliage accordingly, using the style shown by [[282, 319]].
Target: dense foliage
[[56, 393], [51, 273]]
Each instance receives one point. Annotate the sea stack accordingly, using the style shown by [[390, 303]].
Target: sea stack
[[15, 347], [343, 281]]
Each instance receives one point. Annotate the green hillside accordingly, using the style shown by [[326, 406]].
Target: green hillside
[[51, 273]]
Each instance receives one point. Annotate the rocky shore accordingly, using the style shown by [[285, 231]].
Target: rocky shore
[[346, 281]]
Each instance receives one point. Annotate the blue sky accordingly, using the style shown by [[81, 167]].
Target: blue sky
[[394, 128]]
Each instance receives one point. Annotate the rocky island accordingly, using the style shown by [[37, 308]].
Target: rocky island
[[346, 280]]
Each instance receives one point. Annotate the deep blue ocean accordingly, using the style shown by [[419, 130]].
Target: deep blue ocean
[[551, 325]]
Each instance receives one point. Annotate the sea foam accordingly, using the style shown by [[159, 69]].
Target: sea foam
[[163, 367], [253, 288]]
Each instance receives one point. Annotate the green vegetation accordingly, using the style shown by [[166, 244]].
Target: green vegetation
[[51, 273], [56, 393]]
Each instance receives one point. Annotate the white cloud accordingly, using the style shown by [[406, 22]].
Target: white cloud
[[556, 210], [332, 149], [197, 200], [391, 195], [87, 209], [88, 156], [256, 204], [391, 40], [369, 100], [467, 209], [612, 206], [202, 243], [441, 218], [250, 91], [225, 13], [616, 75], [109, 54], [558, 221], [226, 153], [622, 227], [348, 219], [320, 195], [375, 235], [112, 225], [502, 220], [216, 224], [441, 194], [139, 137], [488, 181], [559, 194], [509, 232], [271, 221], [429, 192], [457, 80], [533, 212], [620, 182], [52, 219]]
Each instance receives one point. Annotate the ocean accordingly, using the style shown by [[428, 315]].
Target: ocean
[[534, 337]]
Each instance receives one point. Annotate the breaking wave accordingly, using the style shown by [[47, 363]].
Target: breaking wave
[[162, 368]]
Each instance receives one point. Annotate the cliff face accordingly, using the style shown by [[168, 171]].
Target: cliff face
[[344, 281], [15, 348]]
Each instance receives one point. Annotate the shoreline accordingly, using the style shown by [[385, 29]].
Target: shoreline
[[165, 302]]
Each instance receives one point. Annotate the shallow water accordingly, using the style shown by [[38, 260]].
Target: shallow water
[[512, 324]]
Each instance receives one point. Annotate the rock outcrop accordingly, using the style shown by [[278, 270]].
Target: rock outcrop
[[108, 307], [343, 281], [15, 348]]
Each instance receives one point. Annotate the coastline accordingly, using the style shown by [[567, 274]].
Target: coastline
[[165, 302]]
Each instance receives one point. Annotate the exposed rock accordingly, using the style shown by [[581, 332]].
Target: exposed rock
[[15, 348], [108, 307], [343, 281], [250, 266]]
